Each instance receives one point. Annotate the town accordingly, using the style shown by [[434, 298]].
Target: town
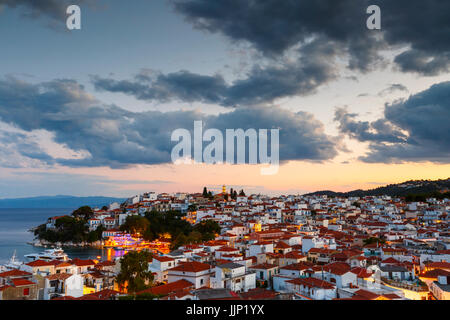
[[251, 247]]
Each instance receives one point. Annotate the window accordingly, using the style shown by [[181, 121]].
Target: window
[[201, 281]]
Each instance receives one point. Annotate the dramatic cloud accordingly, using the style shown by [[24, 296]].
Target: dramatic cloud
[[303, 43], [112, 136], [54, 10], [380, 130], [262, 85], [415, 129], [273, 27]]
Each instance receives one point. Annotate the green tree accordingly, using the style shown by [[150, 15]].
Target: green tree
[[96, 235], [134, 271], [179, 241], [135, 224], [373, 240], [242, 193], [84, 212], [205, 192], [208, 229], [192, 207]]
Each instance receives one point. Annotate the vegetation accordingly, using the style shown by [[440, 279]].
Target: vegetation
[[134, 273], [373, 240], [84, 212], [141, 296], [181, 231], [413, 188], [421, 197], [135, 224], [70, 229], [152, 226]]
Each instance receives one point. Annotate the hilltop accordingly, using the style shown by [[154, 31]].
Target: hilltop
[[407, 188]]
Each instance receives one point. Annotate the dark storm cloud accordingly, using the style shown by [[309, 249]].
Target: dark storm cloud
[[422, 62], [380, 130], [54, 10], [273, 27], [424, 117], [301, 42], [115, 137], [262, 85]]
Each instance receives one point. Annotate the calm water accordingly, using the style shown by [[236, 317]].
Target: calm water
[[14, 235]]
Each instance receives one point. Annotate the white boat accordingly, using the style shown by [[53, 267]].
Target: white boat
[[12, 264], [48, 255]]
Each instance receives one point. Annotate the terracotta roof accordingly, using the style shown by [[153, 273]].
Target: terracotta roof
[[40, 263], [14, 273], [169, 288], [433, 274], [258, 294], [163, 259], [22, 282], [59, 276], [104, 294], [337, 268], [441, 265], [368, 295], [312, 283], [192, 266], [264, 266]]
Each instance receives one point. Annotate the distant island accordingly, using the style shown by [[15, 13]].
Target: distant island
[[59, 201]]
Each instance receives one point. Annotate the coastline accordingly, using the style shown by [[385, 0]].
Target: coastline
[[43, 243]]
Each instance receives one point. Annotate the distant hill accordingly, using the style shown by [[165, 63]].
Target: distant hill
[[59, 201], [412, 187]]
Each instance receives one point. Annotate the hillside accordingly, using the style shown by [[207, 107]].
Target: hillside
[[412, 187]]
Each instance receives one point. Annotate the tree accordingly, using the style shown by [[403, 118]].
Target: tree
[[135, 224], [179, 241], [242, 193], [134, 273], [84, 212], [104, 208], [97, 234], [192, 207], [205, 192], [373, 240], [208, 229]]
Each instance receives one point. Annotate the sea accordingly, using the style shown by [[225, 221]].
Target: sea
[[14, 234]]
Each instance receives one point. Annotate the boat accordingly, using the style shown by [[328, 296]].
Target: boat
[[48, 255], [12, 264]]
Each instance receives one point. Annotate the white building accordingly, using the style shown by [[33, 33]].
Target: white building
[[233, 276]]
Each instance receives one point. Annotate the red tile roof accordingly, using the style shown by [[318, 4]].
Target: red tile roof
[[40, 263], [169, 288], [192, 266], [14, 273], [312, 283], [22, 282]]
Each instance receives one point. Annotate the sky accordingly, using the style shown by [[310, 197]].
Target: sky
[[91, 111]]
